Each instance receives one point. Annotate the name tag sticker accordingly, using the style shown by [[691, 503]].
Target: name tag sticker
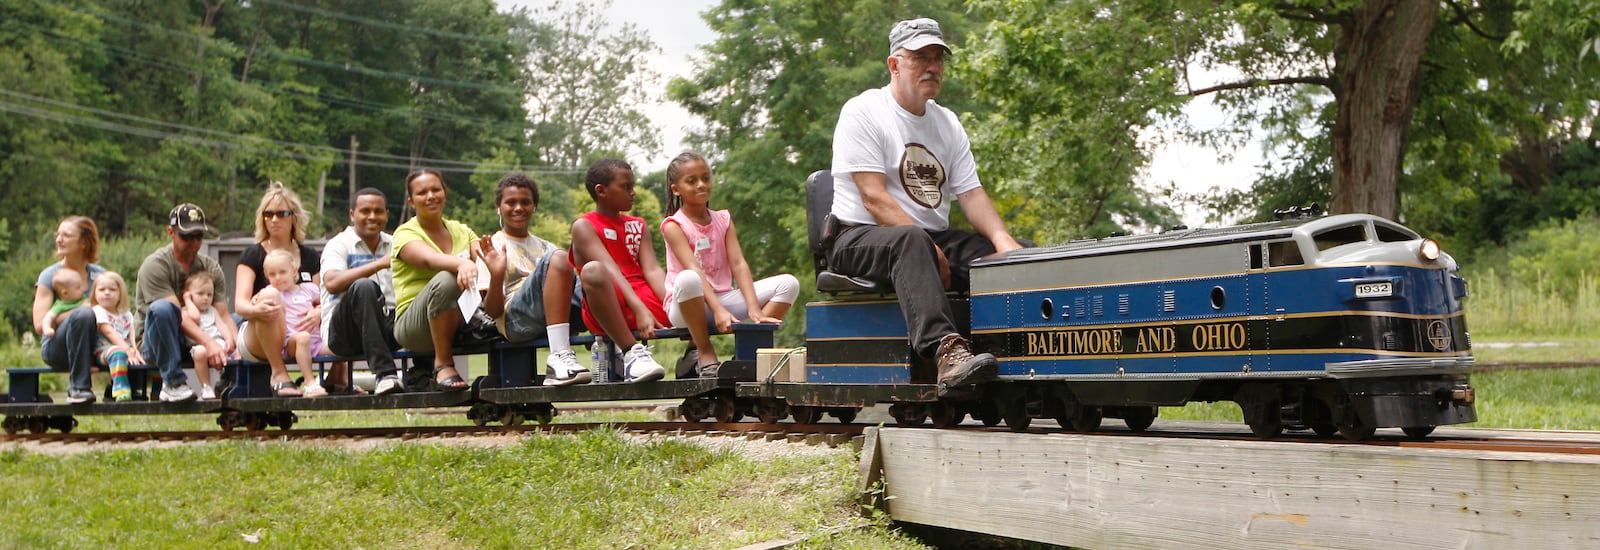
[[702, 244], [611, 234]]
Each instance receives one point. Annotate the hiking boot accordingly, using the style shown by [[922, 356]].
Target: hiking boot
[[641, 365], [959, 367], [176, 394], [80, 396], [563, 369]]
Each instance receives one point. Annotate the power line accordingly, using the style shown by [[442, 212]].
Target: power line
[[161, 62], [378, 22], [270, 52], [199, 141]]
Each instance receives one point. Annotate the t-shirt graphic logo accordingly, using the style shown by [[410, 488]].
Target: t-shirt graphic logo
[[922, 175]]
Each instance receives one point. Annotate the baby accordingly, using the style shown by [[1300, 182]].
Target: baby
[[283, 270], [69, 287], [197, 306]]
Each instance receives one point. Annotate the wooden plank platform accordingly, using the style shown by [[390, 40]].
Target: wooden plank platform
[[1091, 491]]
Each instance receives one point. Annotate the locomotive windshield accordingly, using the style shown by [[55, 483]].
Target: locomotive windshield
[[1340, 236]]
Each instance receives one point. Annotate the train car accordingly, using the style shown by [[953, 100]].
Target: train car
[[1346, 323]]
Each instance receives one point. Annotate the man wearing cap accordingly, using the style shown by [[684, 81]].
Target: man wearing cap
[[898, 159], [160, 317]]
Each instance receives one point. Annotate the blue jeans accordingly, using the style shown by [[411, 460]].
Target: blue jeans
[[524, 314], [72, 348], [164, 346]]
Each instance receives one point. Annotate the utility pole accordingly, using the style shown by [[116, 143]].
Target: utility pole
[[353, 146]]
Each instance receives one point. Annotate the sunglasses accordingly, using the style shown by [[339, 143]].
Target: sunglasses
[[191, 237], [269, 214]]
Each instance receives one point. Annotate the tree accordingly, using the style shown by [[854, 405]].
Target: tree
[[585, 85], [769, 90]]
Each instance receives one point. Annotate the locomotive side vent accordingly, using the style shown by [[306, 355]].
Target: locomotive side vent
[[1098, 306], [1169, 301], [1079, 309], [1122, 305]]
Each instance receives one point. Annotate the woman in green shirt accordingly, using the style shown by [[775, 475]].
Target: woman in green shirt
[[433, 263]]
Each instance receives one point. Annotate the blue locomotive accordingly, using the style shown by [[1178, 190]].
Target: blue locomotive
[[1330, 323]]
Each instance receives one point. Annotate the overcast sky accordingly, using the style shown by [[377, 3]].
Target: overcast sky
[[676, 27]]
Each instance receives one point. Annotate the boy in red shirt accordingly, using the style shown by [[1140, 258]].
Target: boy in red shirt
[[622, 281]]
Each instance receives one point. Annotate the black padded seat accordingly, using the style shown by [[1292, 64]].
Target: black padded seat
[[819, 205]]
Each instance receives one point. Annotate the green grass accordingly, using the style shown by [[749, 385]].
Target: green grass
[[591, 490]]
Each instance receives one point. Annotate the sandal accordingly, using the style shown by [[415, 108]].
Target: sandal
[[314, 390], [708, 370], [286, 388], [453, 382]]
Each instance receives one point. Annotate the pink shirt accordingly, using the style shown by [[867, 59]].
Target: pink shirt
[[710, 245]]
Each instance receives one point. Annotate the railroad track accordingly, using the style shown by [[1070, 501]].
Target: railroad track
[[829, 434], [817, 434]]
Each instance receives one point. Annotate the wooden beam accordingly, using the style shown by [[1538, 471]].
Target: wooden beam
[[1151, 492]]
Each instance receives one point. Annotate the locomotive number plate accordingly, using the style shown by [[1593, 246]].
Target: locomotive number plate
[[1374, 290]]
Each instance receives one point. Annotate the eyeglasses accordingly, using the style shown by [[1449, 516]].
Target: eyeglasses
[[269, 214], [192, 237], [924, 59]]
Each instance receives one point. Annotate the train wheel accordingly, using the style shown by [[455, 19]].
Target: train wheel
[[1324, 430], [12, 425], [481, 414], [987, 412], [544, 413], [511, 417], [695, 410], [228, 420], [286, 420], [63, 423], [255, 421], [1139, 419], [1016, 416], [908, 415], [770, 411], [1088, 419], [1355, 431], [1266, 429], [37, 425], [725, 410], [1417, 432], [946, 415], [846, 415], [806, 415]]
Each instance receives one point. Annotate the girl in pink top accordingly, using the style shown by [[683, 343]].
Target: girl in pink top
[[704, 263], [297, 299]]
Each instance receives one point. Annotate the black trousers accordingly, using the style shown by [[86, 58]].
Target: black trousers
[[363, 325], [905, 257]]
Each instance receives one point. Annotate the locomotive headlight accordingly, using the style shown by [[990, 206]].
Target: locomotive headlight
[[1429, 250]]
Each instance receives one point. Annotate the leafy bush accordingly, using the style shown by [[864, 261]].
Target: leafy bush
[[120, 254]]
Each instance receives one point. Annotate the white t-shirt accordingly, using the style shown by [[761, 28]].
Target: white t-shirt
[[522, 256], [926, 160], [347, 251]]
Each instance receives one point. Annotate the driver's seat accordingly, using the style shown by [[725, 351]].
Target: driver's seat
[[819, 205]]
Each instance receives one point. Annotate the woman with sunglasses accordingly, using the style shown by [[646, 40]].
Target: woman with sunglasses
[[280, 225]]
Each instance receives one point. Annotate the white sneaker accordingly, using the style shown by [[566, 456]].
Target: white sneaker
[[642, 367], [206, 393], [176, 394], [389, 384], [564, 370]]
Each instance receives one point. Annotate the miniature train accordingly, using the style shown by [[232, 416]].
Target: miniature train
[[1335, 324]]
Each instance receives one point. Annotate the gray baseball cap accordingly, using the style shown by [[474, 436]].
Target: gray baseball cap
[[916, 34]]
